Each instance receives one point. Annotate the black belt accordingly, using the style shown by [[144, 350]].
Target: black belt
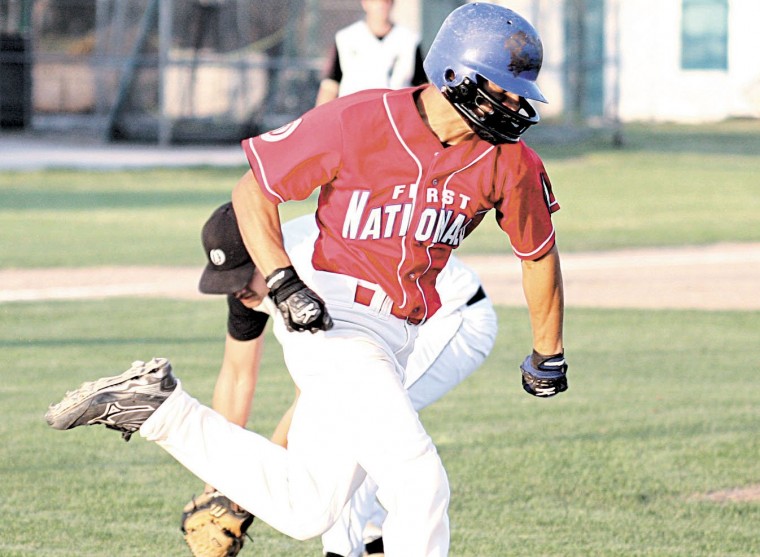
[[479, 295]]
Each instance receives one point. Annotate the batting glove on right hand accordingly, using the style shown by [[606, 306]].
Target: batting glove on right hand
[[544, 376], [301, 307]]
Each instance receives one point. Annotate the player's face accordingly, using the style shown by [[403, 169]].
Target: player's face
[[507, 99], [253, 293], [377, 8]]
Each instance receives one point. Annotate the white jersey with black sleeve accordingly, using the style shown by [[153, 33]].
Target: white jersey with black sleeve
[[369, 62]]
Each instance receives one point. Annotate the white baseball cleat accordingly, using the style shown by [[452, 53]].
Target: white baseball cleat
[[122, 402]]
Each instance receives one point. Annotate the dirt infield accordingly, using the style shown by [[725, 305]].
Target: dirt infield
[[715, 277], [747, 494]]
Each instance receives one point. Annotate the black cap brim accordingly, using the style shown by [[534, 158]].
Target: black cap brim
[[214, 281]]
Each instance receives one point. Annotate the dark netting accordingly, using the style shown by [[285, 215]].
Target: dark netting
[[187, 69]]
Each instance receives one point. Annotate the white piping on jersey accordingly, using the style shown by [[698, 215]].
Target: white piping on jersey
[[446, 183], [430, 264], [414, 203], [446, 187], [539, 248], [549, 204], [483, 154], [548, 197], [263, 173]]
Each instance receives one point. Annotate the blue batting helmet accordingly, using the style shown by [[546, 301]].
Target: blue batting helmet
[[480, 42]]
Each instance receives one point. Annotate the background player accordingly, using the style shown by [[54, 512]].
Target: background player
[[404, 176], [372, 53], [449, 348]]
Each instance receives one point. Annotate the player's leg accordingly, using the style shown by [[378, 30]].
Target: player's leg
[[386, 435], [299, 496], [299, 491], [302, 490], [353, 408], [466, 349], [399, 455], [343, 540], [352, 405], [448, 349], [280, 434], [358, 531]]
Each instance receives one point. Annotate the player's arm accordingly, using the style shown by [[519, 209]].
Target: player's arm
[[542, 285], [330, 84], [280, 434], [328, 91], [259, 222], [544, 371], [239, 373], [236, 383], [420, 77]]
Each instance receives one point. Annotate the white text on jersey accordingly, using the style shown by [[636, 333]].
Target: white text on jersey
[[438, 225]]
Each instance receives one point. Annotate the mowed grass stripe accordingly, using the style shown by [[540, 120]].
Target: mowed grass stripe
[[661, 408]]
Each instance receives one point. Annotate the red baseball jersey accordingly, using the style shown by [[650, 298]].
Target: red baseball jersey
[[394, 201]]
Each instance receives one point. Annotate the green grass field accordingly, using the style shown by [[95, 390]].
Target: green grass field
[[703, 189], [662, 408]]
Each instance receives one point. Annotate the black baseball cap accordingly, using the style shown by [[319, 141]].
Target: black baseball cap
[[230, 267]]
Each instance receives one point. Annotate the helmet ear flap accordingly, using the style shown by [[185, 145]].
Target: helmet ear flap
[[464, 92]]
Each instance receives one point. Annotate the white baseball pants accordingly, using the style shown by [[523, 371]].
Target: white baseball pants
[[448, 349], [353, 416]]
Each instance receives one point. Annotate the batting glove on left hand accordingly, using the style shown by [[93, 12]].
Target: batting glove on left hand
[[301, 307], [544, 376]]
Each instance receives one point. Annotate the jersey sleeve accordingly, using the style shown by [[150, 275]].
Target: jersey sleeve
[[419, 77], [524, 212], [332, 69], [244, 323], [292, 161]]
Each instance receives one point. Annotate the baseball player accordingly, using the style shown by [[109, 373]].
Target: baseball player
[[404, 176], [373, 53], [449, 347]]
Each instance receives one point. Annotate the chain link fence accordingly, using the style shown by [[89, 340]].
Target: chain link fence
[[167, 70]]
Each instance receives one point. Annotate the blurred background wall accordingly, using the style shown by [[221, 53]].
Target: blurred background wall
[[217, 70]]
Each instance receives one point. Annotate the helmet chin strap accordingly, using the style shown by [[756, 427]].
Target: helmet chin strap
[[498, 125]]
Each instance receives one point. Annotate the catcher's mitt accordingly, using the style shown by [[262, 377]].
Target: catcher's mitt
[[214, 526]]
